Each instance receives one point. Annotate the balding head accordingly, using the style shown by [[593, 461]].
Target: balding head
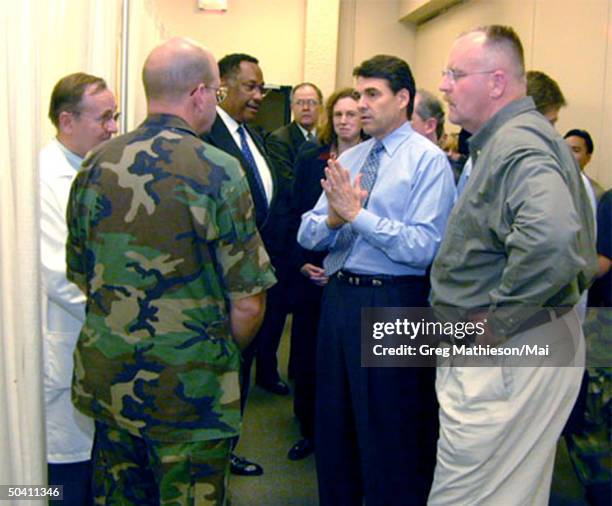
[[174, 68], [182, 78], [504, 47], [485, 72]]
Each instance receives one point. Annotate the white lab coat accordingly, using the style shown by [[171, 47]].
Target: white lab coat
[[69, 433]]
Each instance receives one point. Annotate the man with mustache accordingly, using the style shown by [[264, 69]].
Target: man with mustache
[[242, 84], [518, 252]]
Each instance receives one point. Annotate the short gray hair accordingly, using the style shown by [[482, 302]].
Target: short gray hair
[[429, 106]]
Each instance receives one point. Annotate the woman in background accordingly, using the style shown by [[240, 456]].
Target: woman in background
[[341, 132]]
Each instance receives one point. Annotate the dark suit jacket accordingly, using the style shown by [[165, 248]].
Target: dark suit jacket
[[271, 221], [283, 145], [309, 170]]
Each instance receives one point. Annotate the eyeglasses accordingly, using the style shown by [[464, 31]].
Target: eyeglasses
[[220, 92], [103, 120], [310, 102], [106, 118], [454, 75], [251, 87]]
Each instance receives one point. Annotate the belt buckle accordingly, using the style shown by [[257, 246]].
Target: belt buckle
[[377, 282]]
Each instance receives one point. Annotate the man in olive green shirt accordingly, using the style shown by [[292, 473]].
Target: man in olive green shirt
[[518, 251]]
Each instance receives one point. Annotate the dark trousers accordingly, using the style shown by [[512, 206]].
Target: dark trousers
[[271, 331], [76, 480], [376, 428], [304, 327], [267, 338]]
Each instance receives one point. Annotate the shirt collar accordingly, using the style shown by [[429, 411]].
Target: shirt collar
[[395, 139], [231, 124], [74, 160], [495, 122], [306, 132]]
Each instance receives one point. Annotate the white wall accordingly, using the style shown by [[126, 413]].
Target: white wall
[[273, 31], [567, 39], [370, 27]]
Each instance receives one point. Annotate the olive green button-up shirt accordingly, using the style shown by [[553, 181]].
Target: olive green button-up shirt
[[521, 236]]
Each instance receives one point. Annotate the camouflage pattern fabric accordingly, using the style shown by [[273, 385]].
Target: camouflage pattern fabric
[[161, 237], [131, 470], [590, 448]]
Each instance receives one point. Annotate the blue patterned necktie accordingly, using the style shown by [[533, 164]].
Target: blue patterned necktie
[[334, 261], [246, 152]]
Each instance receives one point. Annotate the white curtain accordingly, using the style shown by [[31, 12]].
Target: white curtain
[[77, 36], [40, 41], [146, 31], [20, 385]]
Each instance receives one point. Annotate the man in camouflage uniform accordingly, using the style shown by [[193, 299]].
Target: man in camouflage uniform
[[162, 240]]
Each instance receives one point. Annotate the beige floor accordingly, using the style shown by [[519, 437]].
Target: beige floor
[[269, 431]]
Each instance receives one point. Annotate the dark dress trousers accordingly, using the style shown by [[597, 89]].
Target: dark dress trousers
[[309, 169], [272, 222], [391, 411]]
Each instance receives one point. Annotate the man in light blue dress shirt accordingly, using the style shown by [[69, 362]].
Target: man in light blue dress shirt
[[381, 216]]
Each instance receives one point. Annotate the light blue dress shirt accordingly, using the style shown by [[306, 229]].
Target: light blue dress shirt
[[74, 160], [465, 175], [402, 227]]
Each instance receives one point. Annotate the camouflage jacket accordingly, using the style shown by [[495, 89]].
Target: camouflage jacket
[[161, 237]]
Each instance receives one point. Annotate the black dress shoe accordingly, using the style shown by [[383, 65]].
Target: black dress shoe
[[301, 449], [278, 387], [243, 467]]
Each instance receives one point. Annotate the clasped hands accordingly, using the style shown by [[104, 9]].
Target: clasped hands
[[344, 198], [315, 273]]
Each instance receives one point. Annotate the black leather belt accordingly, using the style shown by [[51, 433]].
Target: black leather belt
[[374, 279], [540, 318]]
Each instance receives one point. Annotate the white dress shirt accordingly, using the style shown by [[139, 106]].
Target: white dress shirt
[[306, 133], [264, 171]]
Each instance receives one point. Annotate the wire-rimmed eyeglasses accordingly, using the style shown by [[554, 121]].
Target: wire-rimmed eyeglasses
[[103, 120], [220, 91], [454, 75]]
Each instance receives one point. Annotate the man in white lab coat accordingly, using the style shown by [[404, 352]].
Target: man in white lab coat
[[84, 113]]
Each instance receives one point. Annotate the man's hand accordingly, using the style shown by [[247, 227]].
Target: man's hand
[[315, 274], [344, 198], [333, 218]]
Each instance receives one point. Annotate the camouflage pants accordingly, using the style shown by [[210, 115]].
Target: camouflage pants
[[590, 446], [131, 470]]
